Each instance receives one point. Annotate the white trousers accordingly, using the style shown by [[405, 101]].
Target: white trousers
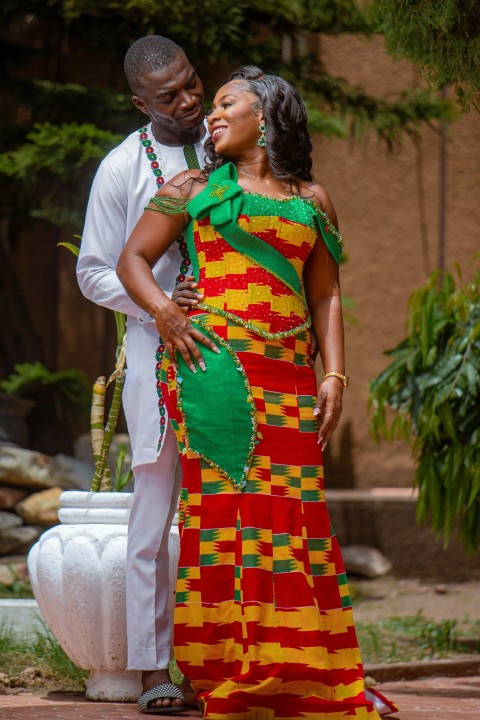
[[155, 498]]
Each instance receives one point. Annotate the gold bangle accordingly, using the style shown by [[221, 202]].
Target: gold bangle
[[341, 377]]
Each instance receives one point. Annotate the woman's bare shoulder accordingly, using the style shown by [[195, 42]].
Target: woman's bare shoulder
[[320, 197], [183, 186]]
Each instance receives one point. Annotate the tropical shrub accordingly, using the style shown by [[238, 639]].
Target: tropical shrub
[[430, 396]]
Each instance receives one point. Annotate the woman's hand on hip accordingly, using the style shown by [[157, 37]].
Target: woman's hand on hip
[[178, 333], [328, 408]]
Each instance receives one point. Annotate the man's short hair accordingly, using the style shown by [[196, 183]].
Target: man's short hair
[[146, 55]]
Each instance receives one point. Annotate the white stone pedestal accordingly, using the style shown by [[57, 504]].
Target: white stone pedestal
[[77, 571]]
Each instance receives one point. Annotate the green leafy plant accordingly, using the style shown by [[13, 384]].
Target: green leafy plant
[[441, 36], [429, 396], [53, 169], [62, 401]]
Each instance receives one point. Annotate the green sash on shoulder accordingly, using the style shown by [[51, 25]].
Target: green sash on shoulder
[[222, 200]]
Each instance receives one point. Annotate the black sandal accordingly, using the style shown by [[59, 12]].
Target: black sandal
[[166, 690]]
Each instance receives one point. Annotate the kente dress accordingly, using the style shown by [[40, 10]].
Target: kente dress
[[263, 619]]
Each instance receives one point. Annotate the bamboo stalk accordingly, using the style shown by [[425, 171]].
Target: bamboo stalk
[[97, 434], [96, 416], [102, 464]]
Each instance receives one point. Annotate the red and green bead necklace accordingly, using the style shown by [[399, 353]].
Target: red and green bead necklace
[[153, 159]]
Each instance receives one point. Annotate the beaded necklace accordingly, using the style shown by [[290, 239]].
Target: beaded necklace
[[154, 158], [151, 156]]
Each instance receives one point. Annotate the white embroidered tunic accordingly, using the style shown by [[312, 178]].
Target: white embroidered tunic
[[122, 187]]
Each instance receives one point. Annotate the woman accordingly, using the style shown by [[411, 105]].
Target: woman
[[263, 624]]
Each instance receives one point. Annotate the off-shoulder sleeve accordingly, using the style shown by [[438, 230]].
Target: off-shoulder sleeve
[[331, 237]]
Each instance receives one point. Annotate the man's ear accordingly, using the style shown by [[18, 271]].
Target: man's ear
[[139, 104]]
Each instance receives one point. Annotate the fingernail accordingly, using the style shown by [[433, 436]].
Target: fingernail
[[193, 368], [319, 441], [203, 366], [324, 445], [194, 302], [316, 411], [215, 349], [174, 367]]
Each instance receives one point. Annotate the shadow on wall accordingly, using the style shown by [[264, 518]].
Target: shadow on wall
[[339, 466]]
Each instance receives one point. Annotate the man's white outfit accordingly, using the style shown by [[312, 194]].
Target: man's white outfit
[[122, 187]]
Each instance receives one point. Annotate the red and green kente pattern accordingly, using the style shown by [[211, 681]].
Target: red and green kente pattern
[[263, 621]]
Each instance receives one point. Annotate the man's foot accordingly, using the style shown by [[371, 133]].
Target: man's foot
[[152, 678], [188, 693]]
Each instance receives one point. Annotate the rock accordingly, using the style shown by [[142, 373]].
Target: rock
[[4, 679], [35, 470], [10, 496], [8, 520], [366, 561], [25, 467], [41, 508], [441, 589], [26, 678], [75, 473], [7, 576], [83, 449], [17, 539], [15, 564]]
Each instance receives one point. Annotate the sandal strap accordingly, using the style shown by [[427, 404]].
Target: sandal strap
[[166, 690]]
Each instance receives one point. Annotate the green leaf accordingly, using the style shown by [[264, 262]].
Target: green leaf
[[429, 395], [70, 246]]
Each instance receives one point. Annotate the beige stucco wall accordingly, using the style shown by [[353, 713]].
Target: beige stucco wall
[[378, 198]]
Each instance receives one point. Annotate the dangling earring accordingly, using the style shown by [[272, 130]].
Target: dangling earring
[[262, 140]]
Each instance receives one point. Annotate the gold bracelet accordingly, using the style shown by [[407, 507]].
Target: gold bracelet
[[341, 377]]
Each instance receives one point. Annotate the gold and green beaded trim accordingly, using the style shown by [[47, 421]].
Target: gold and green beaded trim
[[251, 326], [321, 213], [237, 484], [324, 217], [168, 205]]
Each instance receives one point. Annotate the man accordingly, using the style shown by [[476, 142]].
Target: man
[[166, 88]]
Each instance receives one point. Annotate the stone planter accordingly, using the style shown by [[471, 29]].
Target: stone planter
[[77, 571]]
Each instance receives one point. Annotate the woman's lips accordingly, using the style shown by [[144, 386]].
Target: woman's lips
[[217, 133]]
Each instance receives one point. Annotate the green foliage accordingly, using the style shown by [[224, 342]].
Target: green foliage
[[18, 590], [391, 119], [121, 478], [52, 168], [433, 388], [65, 395], [413, 637], [45, 655], [442, 36]]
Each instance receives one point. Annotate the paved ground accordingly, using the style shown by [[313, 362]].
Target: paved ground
[[428, 699]]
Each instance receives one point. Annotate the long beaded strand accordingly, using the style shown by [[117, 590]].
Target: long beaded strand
[[153, 159]]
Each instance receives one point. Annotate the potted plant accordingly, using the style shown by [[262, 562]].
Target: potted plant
[[429, 396], [77, 569], [57, 404]]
